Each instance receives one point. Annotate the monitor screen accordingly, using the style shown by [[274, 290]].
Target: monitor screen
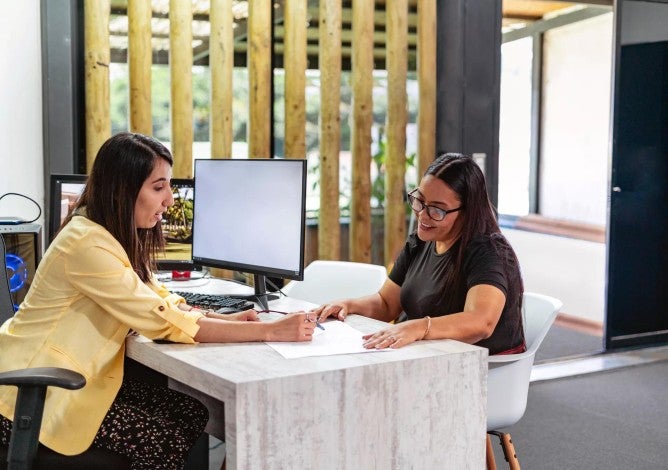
[[64, 193], [250, 216], [177, 228], [176, 223]]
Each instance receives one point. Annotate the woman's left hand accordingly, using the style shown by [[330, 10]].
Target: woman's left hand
[[395, 336]]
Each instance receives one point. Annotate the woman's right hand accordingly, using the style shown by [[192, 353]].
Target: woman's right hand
[[338, 309], [296, 326]]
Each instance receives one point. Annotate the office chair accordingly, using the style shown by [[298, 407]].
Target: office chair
[[325, 281], [509, 375], [24, 451]]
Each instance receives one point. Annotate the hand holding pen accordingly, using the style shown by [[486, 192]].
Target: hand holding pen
[[310, 317]]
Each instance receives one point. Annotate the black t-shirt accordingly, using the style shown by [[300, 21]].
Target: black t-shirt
[[422, 274]]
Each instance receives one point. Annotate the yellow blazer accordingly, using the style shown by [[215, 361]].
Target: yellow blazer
[[84, 300]]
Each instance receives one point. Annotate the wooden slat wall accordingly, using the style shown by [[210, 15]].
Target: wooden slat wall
[[294, 61], [426, 70], [221, 63], [259, 78], [329, 238], [96, 38], [139, 65], [362, 84], [397, 117], [259, 27], [180, 64]]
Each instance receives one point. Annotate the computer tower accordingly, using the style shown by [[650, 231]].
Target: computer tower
[[23, 243]]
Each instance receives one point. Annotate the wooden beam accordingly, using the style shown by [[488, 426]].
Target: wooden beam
[[362, 115], [295, 78], [260, 79], [221, 64], [180, 65], [96, 39], [397, 118], [139, 65], [426, 72], [329, 244]]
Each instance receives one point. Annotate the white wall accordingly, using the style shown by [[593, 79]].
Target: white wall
[[571, 270], [21, 154]]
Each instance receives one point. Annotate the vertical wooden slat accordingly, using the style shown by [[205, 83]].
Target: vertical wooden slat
[[98, 56], [329, 243], [139, 65], [426, 71], [259, 78], [362, 115], [180, 63], [221, 63], [294, 63], [395, 163]]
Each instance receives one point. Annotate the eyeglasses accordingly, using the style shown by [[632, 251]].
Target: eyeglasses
[[434, 213]]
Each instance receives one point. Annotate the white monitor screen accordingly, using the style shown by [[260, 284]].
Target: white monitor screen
[[250, 215]]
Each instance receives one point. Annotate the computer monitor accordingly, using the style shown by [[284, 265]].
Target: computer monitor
[[64, 192], [250, 217], [176, 222], [177, 228]]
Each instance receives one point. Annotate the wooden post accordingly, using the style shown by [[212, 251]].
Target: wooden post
[[180, 64], [426, 71], [329, 229], [98, 56], [259, 78], [362, 117], [221, 63], [139, 65], [395, 162], [294, 63]]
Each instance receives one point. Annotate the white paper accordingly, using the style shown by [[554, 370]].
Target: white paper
[[337, 338]]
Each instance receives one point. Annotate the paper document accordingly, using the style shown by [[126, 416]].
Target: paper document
[[337, 338]]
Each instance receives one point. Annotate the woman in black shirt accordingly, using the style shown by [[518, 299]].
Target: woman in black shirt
[[457, 276]]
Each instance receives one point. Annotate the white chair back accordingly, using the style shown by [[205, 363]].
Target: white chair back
[[508, 377], [325, 281]]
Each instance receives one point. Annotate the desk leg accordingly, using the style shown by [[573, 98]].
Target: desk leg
[[231, 445]]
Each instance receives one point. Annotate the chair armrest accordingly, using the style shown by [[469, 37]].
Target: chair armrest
[[44, 376]]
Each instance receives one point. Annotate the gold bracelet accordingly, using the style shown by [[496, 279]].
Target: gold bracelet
[[426, 332]]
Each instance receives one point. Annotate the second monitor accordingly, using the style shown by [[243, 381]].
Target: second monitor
[[250, 216]]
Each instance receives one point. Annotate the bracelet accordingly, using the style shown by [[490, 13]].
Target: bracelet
[[426, 332]]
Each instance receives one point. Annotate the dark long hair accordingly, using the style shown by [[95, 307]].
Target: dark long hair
[[121, 166], [478, 218]]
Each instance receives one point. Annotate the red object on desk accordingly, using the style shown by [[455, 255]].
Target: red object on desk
[[180, 275]]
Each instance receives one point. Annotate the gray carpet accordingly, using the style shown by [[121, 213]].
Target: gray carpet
[[563, 342], [609, 420]]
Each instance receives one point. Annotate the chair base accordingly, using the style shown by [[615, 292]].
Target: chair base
[[508, 451]]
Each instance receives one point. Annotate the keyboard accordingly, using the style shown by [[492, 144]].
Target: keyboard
[[215, 301]]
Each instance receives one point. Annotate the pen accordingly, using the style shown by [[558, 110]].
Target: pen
[[317, 323]]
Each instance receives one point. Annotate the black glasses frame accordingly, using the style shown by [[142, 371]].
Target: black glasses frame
[[434, 213]]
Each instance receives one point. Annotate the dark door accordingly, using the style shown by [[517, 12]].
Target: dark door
[[637, 306]]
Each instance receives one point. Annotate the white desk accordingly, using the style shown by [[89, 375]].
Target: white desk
[[422, 406]]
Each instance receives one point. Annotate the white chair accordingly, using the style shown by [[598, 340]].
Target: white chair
[[508, 377], [325, 281]]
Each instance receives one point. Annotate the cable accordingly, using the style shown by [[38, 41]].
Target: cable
[[31, 200]]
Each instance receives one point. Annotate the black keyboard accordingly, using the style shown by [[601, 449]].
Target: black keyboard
[[215, 302]]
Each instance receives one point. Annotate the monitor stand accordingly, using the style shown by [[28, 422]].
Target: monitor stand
[[261, 296]]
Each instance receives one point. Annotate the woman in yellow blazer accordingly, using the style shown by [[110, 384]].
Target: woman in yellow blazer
[[93, 286]]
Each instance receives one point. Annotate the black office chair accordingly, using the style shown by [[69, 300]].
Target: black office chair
[[24, 450]]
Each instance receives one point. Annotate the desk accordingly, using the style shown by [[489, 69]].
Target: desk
[[422, 406]]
